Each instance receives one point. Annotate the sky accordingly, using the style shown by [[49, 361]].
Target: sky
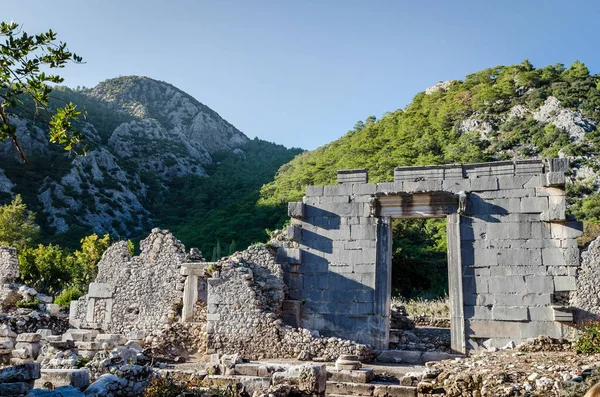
[[302, 73]]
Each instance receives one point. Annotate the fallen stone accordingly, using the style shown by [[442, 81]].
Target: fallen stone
[[20, 373], [29, 337], [62, 391], [78, 378]]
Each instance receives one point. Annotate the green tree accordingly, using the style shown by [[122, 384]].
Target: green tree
[[86, 259], [45, 268], [24, 85], [17, 224], [232, 248]]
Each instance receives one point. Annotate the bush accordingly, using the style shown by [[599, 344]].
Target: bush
[[68, 295], [164, 387], [28, 304], [589, 338]]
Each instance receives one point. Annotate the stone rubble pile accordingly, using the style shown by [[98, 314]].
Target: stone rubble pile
[[26, 320], [17, 381], [177, 342]]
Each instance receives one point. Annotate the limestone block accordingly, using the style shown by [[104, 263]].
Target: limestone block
[[20, 373], [563, 314], [456, 185], [337, 190], [100, 290], [566, 230], [557, 209], [309, 378], [117, 339], [289, 255], [400, 356], [507, 284], [484, 183], [539, 284], [528, 167], [565, 283], [414, 174], [78, 378], [314, 191], [557, 165], [363, 375], [29, 337], [62, 391], [80, 335], [353, 176], [490, 329], [14, 389], [360, 189], [540, 313], [296, 210], [534, 205], [555, 179]]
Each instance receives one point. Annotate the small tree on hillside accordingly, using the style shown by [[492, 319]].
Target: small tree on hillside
[[23, 61], [17, 224]]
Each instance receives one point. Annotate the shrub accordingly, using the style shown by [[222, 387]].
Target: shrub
[[164, 387], [68, 295], [589, 338], [33, 304]]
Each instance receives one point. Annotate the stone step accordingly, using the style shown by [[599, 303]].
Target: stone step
[[414, 356], [363, 375], [369, 390], [78, 378], [250, 383]]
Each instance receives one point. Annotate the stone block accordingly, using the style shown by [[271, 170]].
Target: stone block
[[507, 284], [539, 284], [565, 283], [400, 356], [100, 290], [553, 257], [338, 190], [540, 313], [509, 231], [478, 312], [505, 313], [414, 174], [557, 209], [20, 373], [117, 339], [535, 328], [555, 179], [312, 191], [562, 314], [296, 210], [363, 375], [360, 189], [557, 165], [566, 230], [353, 176], [289, 255], [519, 256], [29, 337], [78, 378], [491, 329], [14, 389], [363, 232], [484, 183], [534, 205], [512, 182], [456, 185], [80, 335], [529, 167], [475, 284]]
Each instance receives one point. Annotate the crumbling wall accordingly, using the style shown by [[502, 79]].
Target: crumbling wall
[[134, 293], [586, 299], [245, 296], [9, 271]]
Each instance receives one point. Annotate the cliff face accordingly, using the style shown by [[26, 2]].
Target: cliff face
[[142, 132]]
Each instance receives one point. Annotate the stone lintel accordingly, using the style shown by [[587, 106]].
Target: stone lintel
[[360, 175]]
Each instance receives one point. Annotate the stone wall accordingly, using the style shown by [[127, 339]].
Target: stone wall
[[134, 293], [586, 299], [245, 298], [512, 253], [9, 272]]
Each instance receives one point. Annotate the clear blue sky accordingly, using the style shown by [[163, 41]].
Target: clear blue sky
[[301, 73]]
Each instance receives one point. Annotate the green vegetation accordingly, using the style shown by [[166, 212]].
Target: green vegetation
[[418, 307], [24, 83], [588, 340], [430, 131], [219, 213], [17, 224]]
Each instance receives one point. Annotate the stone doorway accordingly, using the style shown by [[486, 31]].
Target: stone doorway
[[422, 206]]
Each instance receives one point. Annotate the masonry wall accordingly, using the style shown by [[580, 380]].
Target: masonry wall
[[134, 293], [516, 255]]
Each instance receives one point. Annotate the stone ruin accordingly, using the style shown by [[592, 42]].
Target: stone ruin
[[512, 261], [321, 289]]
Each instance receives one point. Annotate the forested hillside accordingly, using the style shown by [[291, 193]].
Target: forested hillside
[[505, 112], [501, 113]]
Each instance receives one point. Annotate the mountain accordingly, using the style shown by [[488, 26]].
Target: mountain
[[145, 138], [500, 113]]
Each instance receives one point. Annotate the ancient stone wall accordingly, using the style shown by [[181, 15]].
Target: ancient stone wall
[[245, 297], [512, 253], [134, 293], [9, 271], [586, 298]]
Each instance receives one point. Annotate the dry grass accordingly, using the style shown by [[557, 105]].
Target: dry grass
[[439, 308]]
